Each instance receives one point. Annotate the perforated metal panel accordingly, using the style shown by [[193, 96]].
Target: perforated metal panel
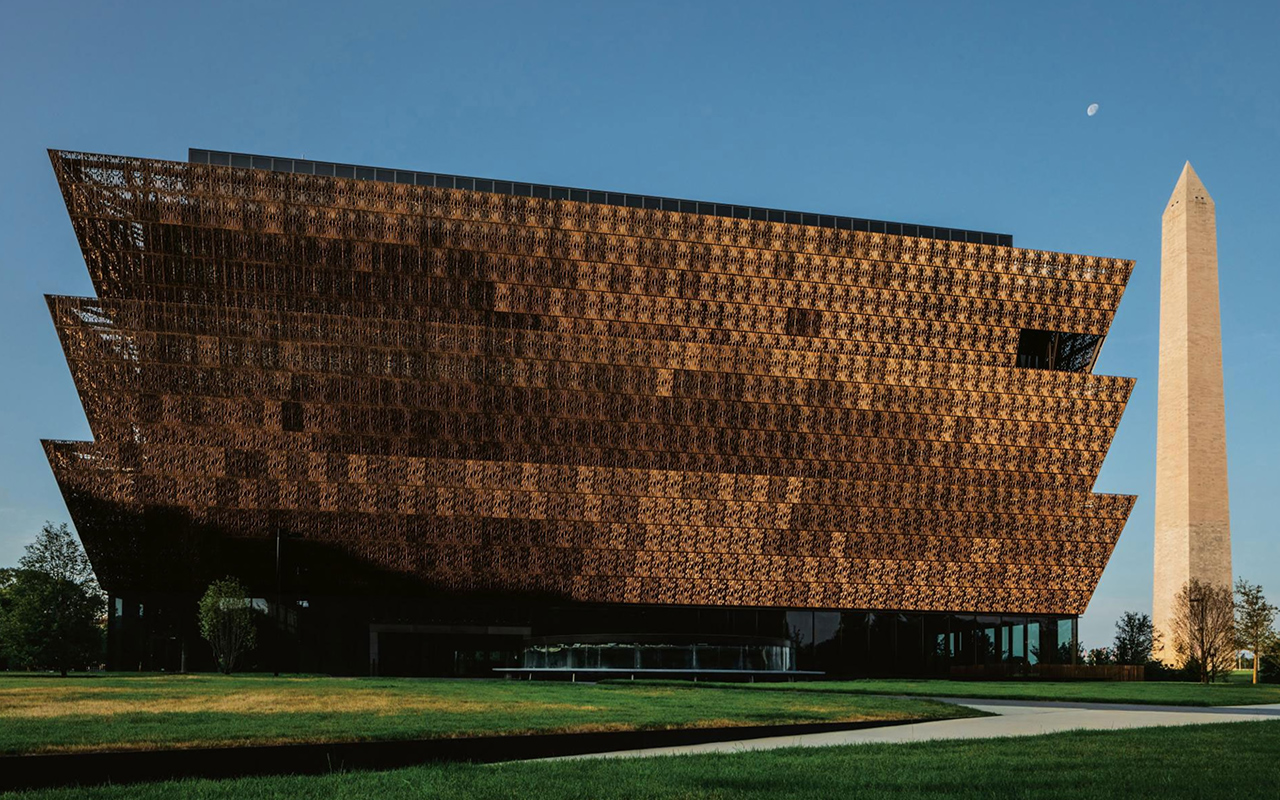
[[587, 401]]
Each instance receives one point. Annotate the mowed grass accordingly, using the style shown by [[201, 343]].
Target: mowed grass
[[1200, 761], [40, 715], [1237, 692]]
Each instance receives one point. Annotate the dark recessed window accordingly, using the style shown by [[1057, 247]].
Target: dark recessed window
[[291, 416], [502, 187], [344, 171], [324, 169], [543, 192], [220, 159], [804, 321], [385, 175], [559, 193], [464, 183], [243, 162], [1055, 350], [366, 173], [484, 186], [578, 195], [404, 177], [261, 163]]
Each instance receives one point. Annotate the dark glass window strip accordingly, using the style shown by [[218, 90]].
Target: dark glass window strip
[[328, 168]]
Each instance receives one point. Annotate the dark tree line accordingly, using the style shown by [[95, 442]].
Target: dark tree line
[[51, 608], [1211, 626]]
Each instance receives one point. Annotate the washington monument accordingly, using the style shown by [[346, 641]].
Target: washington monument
[[1193, 530]]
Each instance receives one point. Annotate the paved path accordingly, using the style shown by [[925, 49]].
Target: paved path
[[1016, 718]]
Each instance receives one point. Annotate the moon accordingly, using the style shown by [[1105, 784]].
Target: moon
[[1092, 109]]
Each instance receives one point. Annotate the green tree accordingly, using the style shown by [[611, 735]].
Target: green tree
[[56, 553], [52, 606], [226, 621], [1135, 638], [1255, 621], [8, 577], [1100, 657]]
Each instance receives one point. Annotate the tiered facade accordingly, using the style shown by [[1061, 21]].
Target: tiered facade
[[589, 399]]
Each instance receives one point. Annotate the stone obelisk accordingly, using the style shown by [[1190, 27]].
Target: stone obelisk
[[1193, 533]]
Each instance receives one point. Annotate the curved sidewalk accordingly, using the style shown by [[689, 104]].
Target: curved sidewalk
[[1013, 718]]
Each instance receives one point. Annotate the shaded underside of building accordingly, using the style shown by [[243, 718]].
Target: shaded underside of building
[[442, 425]]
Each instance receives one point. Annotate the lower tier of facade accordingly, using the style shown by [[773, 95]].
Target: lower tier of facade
[[490, 637]]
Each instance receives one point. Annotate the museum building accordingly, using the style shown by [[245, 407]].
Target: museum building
[[442, 425]]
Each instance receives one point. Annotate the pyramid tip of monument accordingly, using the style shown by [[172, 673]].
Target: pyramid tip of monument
[[1189, 184]]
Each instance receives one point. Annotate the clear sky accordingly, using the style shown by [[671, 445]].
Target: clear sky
[[969, 115]]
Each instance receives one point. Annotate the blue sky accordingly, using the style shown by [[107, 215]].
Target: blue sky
[[967, 115]]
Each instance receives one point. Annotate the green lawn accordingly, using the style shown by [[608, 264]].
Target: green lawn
[[1158, 693], [131, 712], [1202, 761]]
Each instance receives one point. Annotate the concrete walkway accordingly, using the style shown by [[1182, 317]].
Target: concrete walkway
[[1016, 718]]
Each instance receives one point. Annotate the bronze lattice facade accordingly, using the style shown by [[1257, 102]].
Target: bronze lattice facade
[[484, 389]]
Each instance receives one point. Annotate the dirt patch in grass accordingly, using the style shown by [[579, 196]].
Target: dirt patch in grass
[[49, 702]]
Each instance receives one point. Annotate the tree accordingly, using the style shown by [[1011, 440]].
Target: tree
[[1204, 629], [8, 578], [56, 553], [1255, 620], [1135, 638], [53, 607], [1100, 657], [226, 620]]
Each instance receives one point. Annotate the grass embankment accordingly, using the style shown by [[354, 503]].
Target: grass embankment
[[40, 715], [1201, 761], [1151, 693]]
